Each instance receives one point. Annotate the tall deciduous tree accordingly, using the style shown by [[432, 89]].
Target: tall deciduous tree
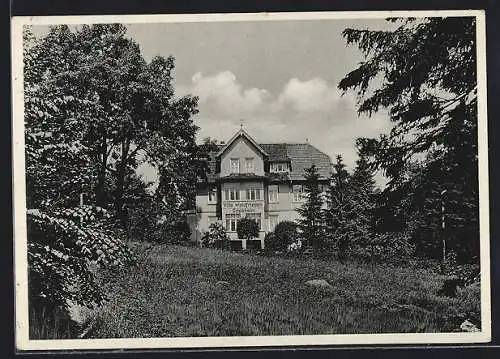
[[423, 71], [312, 223], [63, 236], [133, 113]]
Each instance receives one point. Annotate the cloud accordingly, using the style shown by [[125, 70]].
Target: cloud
[[222, 94], [313, 95], [311, 109]]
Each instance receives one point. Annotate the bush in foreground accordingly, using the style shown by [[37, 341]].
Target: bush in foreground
[[247, 228], [283, 236], [387, 247], [215, 237]]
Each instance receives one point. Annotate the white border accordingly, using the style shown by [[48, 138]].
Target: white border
[[19, 194]]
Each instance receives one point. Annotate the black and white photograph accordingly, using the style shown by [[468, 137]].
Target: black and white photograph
[[250, 180]]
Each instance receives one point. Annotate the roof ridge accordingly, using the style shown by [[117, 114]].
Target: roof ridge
[[284, 143]]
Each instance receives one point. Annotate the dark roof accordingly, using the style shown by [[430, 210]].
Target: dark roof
[[300, 156], [303, 156], [276, 151]]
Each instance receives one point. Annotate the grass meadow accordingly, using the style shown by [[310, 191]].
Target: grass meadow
[[177, 291]]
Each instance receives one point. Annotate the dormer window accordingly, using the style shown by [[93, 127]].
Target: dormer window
[[235, 165], [279, 167]]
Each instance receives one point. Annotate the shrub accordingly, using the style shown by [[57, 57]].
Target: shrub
[[469, 302], [216, 237], [247, 228], [390, 247], [270, 242], [175, 233], [285, 234], [62, 246], [150, 224]]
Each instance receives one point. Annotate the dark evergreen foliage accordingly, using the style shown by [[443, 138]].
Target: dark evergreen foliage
[[340, 213], [425, 71], [311, 223]]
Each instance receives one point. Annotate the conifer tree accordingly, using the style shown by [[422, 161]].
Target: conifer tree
[[423, 73], [312, 222], [340, 212], [363, 186]]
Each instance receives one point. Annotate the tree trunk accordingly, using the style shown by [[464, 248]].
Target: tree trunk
[[120, 184], [101, 177]]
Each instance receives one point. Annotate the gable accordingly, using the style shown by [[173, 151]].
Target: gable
[[242, 134], [241, 149]]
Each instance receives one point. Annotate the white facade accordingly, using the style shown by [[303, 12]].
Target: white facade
[[249, 182]]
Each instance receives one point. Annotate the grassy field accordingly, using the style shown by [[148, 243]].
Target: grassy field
[[185, 291]]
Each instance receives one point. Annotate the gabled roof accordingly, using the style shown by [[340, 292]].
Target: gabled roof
[[242, 133], [300, 156]]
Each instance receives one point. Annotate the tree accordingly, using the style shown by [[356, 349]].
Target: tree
[[247, 228], [311, 223], [341, 213], [133, 114], [424, 73], [363, 186], [64, 237]]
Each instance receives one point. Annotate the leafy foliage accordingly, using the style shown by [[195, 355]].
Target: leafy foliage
[[131, 113], [62, 245], [94, 111], [64, 239], [383, 247], [285, 233], [247, 228], [216, 237]]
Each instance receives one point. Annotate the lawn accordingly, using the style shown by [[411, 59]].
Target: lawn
[[179, 291]]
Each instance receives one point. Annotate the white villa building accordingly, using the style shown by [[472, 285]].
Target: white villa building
[[255, 180]]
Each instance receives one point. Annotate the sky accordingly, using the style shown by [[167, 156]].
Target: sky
[[277, 78]]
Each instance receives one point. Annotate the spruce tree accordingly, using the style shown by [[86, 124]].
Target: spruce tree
[[363, 186], [311, 223], [423, 74], [341, 212]]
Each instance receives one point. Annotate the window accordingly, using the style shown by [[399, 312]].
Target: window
[[231, 222], [212, 195], [253, 194], [235, 165], [279, 167], [256, 217], [232, 194], [273, 194], [297, 193], [249, 165], [273, 221]]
